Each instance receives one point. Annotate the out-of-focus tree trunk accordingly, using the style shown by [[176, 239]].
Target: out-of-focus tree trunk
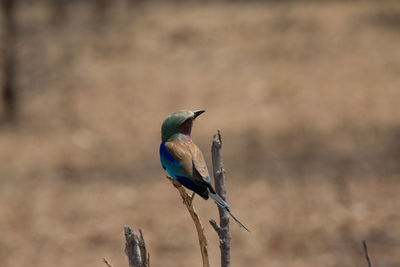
[[59, 15], [101, 13], [9, 95]]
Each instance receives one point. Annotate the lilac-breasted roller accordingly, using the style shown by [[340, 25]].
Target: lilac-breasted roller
[[183, 160]]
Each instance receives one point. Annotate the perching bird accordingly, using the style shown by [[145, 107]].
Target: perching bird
[[183, 160]]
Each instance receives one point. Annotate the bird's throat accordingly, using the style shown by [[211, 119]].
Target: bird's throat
[[186, 128]]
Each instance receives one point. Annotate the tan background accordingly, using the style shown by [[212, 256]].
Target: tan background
[[306, 94]]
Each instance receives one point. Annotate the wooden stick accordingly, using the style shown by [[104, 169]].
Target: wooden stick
[[199, 227], [135, 248], [219, 180], [107, 263]]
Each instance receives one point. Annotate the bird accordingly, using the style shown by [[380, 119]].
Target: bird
[[184, 161]]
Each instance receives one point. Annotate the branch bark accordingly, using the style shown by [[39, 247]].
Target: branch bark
[[135, 248], [199, 227], [219, 180]]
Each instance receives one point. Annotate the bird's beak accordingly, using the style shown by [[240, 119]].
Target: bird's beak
[[198, 113]]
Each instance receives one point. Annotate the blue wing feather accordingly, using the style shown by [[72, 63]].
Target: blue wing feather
[[168, 162], [174, 169]]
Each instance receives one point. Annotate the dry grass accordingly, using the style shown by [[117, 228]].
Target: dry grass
[[306, 95]]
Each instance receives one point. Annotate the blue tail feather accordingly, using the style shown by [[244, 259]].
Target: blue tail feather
[[221, 203]]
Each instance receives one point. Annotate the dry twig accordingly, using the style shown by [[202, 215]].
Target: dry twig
[[219, 179], [135, 248], [366, 253], [199, 227], [106, 262]]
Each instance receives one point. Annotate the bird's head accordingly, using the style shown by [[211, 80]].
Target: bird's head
[[180, 121]]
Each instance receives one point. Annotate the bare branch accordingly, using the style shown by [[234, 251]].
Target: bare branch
[[215, 226], [143, 251], [106, 262], [199, 227], [366, 253], [135, 248], [219, 180]]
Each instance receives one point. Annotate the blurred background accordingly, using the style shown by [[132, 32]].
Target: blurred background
[[305, 93]]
